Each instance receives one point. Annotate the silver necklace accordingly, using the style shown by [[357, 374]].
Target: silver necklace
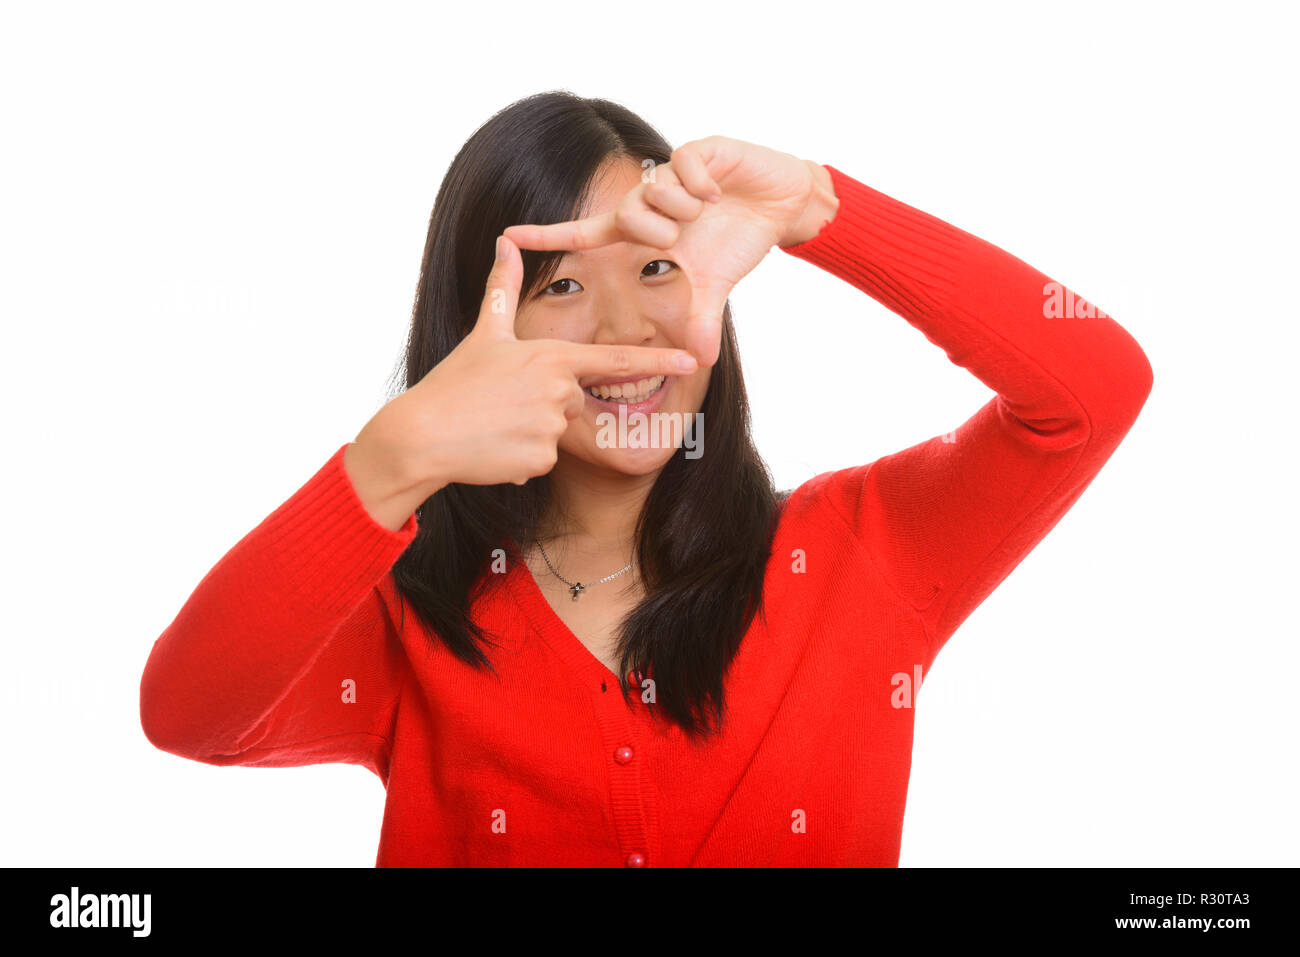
[[577, 588]]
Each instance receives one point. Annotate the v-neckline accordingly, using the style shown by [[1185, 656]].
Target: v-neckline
[[549, 625]]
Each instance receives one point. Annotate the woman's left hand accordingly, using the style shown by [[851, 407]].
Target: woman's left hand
[[764, 198]]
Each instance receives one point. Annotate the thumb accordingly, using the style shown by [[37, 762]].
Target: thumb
[[501, 298], [704, 322]]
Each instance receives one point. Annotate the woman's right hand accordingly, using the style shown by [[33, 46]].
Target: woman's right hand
[[492, 411]]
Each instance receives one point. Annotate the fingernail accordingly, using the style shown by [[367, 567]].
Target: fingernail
[[686, 363], [714, 197], [501, 248]]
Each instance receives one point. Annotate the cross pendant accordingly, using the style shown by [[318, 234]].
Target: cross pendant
[[576, 591]]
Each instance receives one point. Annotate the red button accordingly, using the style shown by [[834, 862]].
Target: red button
[[623, 755], [636, 860]]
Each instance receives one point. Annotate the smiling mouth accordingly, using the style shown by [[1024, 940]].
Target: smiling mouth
[[627, 393]]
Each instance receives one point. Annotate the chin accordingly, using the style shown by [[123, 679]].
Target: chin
[[629, 461]]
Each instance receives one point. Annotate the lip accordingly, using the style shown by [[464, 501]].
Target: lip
[[609, 405]]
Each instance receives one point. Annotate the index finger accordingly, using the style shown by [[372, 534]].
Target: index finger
[[587, 359], [574, 234]]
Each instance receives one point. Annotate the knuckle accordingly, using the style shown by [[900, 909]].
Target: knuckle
[[620, 360], [543, 459], [624, 216], [561, 392]]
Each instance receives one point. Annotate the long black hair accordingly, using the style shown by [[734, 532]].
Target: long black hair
[[704, 535]]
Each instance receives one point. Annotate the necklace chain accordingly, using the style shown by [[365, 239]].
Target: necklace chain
[[577, 588]]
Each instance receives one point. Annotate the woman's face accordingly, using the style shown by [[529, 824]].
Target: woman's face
[[630, 295]]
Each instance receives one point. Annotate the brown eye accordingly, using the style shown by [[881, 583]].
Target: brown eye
[[551, 290], [659, 272]]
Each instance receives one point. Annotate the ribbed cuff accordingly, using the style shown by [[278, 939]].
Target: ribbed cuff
[[897, 254], [327, 546]]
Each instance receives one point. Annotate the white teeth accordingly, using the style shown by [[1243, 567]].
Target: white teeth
[[626, 392]]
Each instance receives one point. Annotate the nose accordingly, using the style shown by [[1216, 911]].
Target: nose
[[627, 326]]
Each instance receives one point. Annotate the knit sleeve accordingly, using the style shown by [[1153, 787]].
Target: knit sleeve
[[284, 654], [946, 520]]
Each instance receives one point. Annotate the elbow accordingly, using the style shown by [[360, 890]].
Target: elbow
[[1140, 378], [1124, 377], [1126, 385], [167, 737], [158, 720], [169, 726], [155, 730]]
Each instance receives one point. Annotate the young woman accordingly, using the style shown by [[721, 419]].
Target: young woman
[[560, 646]]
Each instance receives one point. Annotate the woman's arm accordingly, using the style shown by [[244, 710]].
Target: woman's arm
[[948, 519], [284, 654]]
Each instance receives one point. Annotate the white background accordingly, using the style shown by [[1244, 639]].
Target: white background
[[212, 223]]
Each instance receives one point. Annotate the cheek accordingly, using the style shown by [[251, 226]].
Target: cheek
[[698, 387], [536, 329], [668, 309], [532, 322]]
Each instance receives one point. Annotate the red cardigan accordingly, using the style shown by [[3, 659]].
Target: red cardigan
[[288, 653]]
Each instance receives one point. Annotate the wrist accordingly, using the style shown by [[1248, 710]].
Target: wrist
[[388, 487], [821, 207], [429, 471]]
